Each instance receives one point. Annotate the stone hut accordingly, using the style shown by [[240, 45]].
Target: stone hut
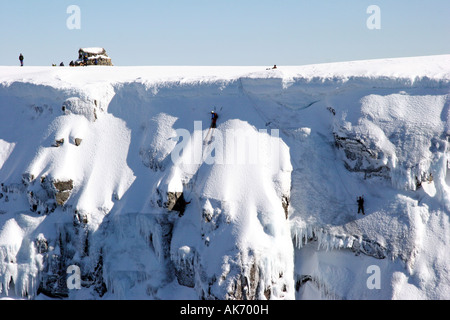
[[95, 56]]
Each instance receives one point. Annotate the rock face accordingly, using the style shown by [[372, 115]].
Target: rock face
[[185, 266], [45, 196], [176, 202], [78, 141], [361, 158], [250, 285], [63, 189]]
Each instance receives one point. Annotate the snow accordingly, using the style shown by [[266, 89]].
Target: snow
[[93, 50], [99, 56], [142, 131], [5, 150]]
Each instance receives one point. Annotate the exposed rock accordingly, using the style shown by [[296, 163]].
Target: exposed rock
[[252, 282], [184, 266], [80, 218], [369, 248], [424, 177], [176, 202], [99, 282], [172, 199], [301, 280], [78, 141], [63, 190], [53, 275], [63, 185], [247, 284], [27, 178], [41, 244], [360, 158], [62, 197], [41, 197], [58, 143]]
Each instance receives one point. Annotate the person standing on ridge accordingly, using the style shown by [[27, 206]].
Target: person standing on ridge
[[360, 205], [21, 60]]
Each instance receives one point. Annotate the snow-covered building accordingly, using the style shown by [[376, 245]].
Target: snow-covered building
[[95, 56]]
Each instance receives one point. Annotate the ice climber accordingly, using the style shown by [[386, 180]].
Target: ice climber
[[214, 117], [361, 205], [21, 60]]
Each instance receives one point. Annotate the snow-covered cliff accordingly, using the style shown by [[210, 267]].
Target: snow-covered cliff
[[110, 170]]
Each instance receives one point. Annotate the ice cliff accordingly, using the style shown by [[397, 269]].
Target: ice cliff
[[108, 170]]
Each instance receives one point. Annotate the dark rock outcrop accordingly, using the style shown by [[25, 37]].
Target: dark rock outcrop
[[63, 190]]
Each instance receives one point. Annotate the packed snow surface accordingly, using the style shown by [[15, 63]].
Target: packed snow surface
[[115, 170]]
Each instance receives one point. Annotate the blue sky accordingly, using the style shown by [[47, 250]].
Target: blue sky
[[223, 32]]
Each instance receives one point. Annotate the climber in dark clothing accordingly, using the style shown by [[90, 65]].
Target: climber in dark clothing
[[214, 117], [360, 205], [210, 133], [181, 205], [21, 60]]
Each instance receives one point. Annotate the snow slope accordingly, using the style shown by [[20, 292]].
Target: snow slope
[[272, 212]]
